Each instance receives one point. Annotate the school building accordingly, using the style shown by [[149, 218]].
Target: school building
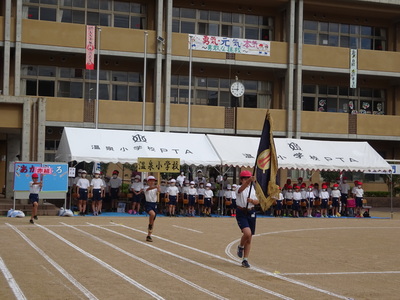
[[327, 70]]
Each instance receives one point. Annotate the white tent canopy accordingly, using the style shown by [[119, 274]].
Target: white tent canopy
[[122, 146], [302, 154]]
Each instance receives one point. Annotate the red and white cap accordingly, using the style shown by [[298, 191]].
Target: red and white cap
[[151, 178], [208, 185], [245, 173]]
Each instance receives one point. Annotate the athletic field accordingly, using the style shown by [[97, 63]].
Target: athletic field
[[107, 257]]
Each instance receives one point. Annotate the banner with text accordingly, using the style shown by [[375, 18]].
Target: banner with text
[[229, 45], [170, 165], [90, 46]]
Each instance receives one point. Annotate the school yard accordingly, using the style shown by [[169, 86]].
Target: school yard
[[107, 257]]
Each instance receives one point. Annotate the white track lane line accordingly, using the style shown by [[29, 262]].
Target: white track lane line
[[175, 276], [60, 269], [339, 273], [180, 227], [11, 281], [240, 280], [234, 261], [104, 264]]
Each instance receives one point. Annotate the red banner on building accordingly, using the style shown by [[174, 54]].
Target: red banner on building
[[90, 46]]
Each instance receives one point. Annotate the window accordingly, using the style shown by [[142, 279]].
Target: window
[[216, 92], [215, 23], [90, 12], [344, 35], [63, 82], [342, 99]]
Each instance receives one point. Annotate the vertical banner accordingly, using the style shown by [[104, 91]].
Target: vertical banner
[[267, 166], [353, 68], [90, 46]]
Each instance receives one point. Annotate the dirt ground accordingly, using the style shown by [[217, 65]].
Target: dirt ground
[[108, 258]]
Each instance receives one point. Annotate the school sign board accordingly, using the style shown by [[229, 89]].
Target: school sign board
[[168, 165]]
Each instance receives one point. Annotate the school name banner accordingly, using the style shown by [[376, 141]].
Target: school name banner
[[90, 47], [170, 165], [229, 45]]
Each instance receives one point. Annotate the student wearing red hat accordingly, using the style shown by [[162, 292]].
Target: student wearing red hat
[[310, 200], [246, 199], [335, 195], [34, 188], [151, 195], [324, 195]]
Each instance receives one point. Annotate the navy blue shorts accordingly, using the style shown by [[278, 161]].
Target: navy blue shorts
[[97, 195], [207, 202], [234, 204], [137, 198], [192, 200], [246, 219], [359, 202], [324, 203], [150, 206], [343, 199], [201, 197], [83, 194], [335, 202], [296, 205], [310, 203], [114, 193], [278, 204], [33, 198], [172, 200]]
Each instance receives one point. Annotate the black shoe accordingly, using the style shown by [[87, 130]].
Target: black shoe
[[245, 264], [31, 221], [149, 239], [35, 217]]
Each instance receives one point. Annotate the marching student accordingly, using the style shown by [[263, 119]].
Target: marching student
[[97, 190], [35, 186], [335, 195], [82, 187], [172, 194], [192, 195], [208, 196], [151, 196], [245, 214]]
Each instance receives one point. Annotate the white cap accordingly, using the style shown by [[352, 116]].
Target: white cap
[[138, 177], [199, 171], [149, 178], [234, 185], [192, 182], [208, 185], [172, 180], [97, 172], [83, 171], [186, 181], [228, 186], [80, 171]]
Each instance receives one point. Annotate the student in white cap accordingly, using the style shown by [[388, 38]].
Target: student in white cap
[[192, 198], [172, 194], [208, 196], [137, 189], [151, 195]]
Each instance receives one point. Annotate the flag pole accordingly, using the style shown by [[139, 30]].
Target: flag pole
[[190, 81], [144, 81], [98, 76]]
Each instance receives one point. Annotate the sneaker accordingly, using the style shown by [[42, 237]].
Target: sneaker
[[245, 264], [35, 217], [149, 239], [31, 221], [240, 251]]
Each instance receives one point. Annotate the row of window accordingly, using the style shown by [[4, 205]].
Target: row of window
[[344, 35], [91, 12], [215, 23], [54, 81], [342, 99], [216, 92]]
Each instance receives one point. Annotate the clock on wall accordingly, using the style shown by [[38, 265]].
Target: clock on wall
[[237, 89]]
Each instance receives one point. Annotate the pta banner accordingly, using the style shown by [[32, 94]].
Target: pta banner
[[90, 46], [229, 45]]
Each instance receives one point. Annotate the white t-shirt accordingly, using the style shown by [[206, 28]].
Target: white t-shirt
[[324, 195], [289, 195], [233, 194], [137, 186], [208, 193], [34, 188], [83, 183], [241, 198], [335, 194], [200, 191], [97, 183], [180, 179], [192, 191], [185, 189], [344, 188], [163, 189], [297, 196], [310, 195], [151, 195], [359, 193], [172, 190]]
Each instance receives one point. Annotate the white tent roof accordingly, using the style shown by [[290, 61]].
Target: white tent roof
[[101, 145], [302, 154]]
